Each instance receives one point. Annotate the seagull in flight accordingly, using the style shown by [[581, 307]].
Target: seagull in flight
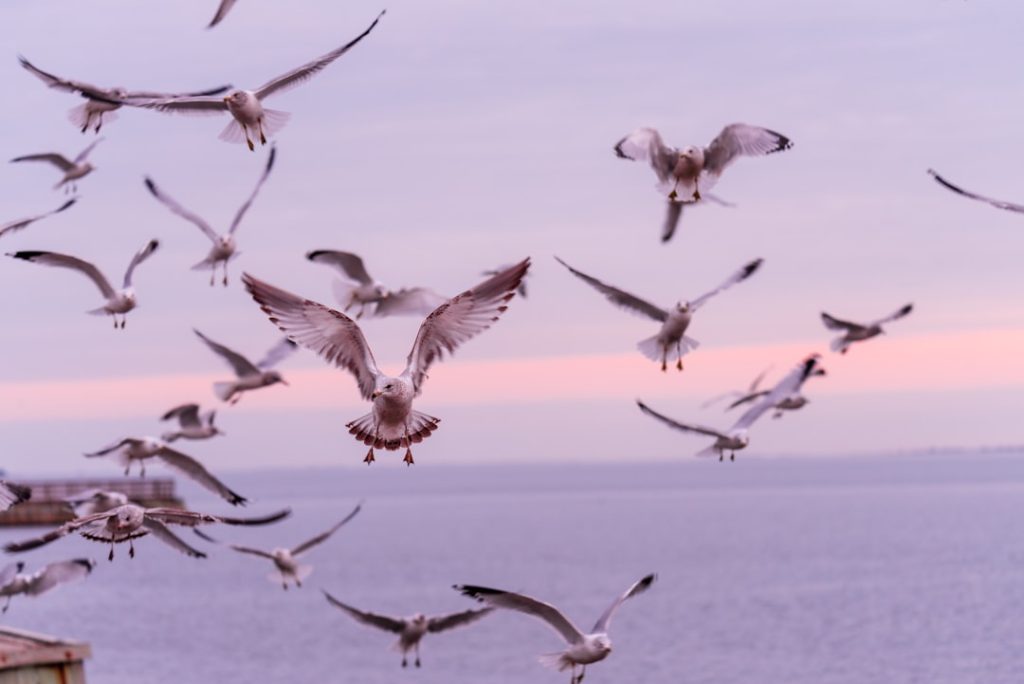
[[674, 321], [584, 649], [858, 332], [118, 301], [101, 103], [998, 204], [393, 423], [191, 424], [787, 391], [731, 440], [21, 224], [412, 629], [129, 522], [92, 501], [246, 106], [224, 248], [249, 376], [73, 170], [371, 295], [51, 576]]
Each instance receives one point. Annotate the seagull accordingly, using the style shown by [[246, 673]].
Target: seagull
[[411, 630], [285, 560], [998, 204], [393, 423], [222, 11], [857, 332], [12, 494], [370, 294], [132, 449], [128, 522], [250, 376], [21, 224], [223, 249], [732, 440], [674, 322], [584, 649], [246, 106], [118, 301], [101, 103], [787, 396], [521, 290], [51, 576], [94, 501], [192, 425], [685, 176], [737, 394], [73, 170]]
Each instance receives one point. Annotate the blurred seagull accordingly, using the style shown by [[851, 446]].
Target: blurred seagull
[[192, 424], [998, 204], [51, 576], [250, 376], [246, 106], [370, 294], [738, 394], [92, 501], [674, 322], [584, 649], [222, 11], [101, 103], [12, 494], [411, 630], [732, 440], [132, 449], [26, 222], [785, 395], [128, 522], [118, 301], [393, 423], [285, 560], [73, 170], [858, 332], [223, 249]]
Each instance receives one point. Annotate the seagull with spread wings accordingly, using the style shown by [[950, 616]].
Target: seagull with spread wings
[[133, 449], [118, 301], [101, 103], [91, 501], [371, 295], [73, 170], [858, 332], [21, 224], [731, 440], [50, 576], [584, 649], [393, 423], [998, 204], [674, 322], [285, 560], [191, 424], [224, 248], [246, 106], [129, 522], [412, 629], [786, 393], [250, 376]]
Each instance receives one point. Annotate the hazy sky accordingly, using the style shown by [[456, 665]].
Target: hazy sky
[[459, 136]]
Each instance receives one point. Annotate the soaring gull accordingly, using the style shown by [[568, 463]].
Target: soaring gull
[[51, 576], [92, 501], [731, 440], [412, 629], [858, 332], [998, 204], [249, 376], [191, 424], [674, 321], [786, 394], [118, 301], [393, 423], [20, 224], [224, 248], [72, 170], [583, 649]]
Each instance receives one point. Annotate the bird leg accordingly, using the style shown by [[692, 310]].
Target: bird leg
[[732, 456], [263, 138], [6, 605], [583, 670], [99, 122], [721, 455], [404, 661], [408, 457], [131, 548], [417, 654], [664, 360], [369, 457], [213, 276], [110, 556], [679, 355], [124, 319], [142, 469], [284, 584], [115, 321], [225, 273], [298, 583]]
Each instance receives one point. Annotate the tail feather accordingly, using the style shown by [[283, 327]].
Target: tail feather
[[343, 292], [556, 661], [224, 390], [651, 348], [710, 451], [273, 121], [838, 344], [102, 311], [420, 427], [204, 265], [233, 132], [80, 117]]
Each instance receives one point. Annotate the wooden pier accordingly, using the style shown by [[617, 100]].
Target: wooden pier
[[48, 507], [29, 657]]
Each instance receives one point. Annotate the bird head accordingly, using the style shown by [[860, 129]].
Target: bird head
[[603, 643], [693, 153], [388, 388], [236, 98], [226, 242], [683, 307], [272, 377], [419, 618]]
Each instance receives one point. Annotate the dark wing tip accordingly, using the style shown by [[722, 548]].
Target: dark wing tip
[[270, 159], [21, 492], [313, 254], [648, 581], [475, 592], [618, 150], [86, 563], [906, 309], [782, 142], [27, 255], [150, 184], [153, 244], [750, 268]]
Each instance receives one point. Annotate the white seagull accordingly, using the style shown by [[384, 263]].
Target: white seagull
[[998, 204], [285, 560], [246, 106], [674, 321], [731, 440], [101, 103], [371, 295], [858, 332], [191, 424], [412, 629], [787, 392], [51, 576], [393, 423], [92, 501], [73, 170], [128, 522], [132, 449], [224, 248], [222, 11], [583, 649], [12, 494], [20, 224], [118, 301], [250, 376]]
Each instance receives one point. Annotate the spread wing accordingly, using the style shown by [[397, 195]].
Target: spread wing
[[460, 319], [673, 212], [9, 572], [833, 323], [323, 536], [453, 620], [67, 85], [199, 105], [276, 354], [307, 71], [25, 222], [251, 551], [241, 365], [194, 470], [113, 446], [605, 621], [85, 153], [348, 263], [645, 144], [738, 140], [160, 531], [181, 211], [896, 315], [329, 333], [788, 386], [737, 277], [58, 160], [55, 534], [409, 301], [259, 184], [139, 257], [388, 624], [998, 204], [524, 604], [149, 95], [186, 414], [747, 398], [222, 11], [177, 516], [698, 429], [65, 261], [619, 297], [55, 574], [12, 494]]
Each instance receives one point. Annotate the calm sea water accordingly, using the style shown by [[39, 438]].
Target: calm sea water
[[802, 571]]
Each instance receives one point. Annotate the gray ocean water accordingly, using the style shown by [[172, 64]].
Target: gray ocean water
[[803, 571]]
